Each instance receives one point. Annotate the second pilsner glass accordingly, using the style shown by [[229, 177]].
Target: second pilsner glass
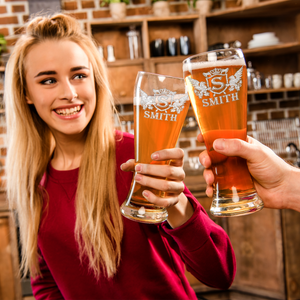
[[160, 108], [217, 86]]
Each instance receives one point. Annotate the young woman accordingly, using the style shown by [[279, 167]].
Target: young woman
[[68, 172]]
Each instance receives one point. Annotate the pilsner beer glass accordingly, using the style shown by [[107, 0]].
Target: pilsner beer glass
[[217, 86], [160, 107]]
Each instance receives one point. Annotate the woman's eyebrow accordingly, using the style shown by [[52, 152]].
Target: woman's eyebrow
[[45, 73], [79, 68]]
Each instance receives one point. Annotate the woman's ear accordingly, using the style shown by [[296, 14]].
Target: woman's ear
[[28, 100]]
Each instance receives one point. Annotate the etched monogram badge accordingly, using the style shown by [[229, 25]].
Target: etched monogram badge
[[217, 82], [163, 100]]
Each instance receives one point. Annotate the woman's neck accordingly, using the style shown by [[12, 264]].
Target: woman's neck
[[68, 152]]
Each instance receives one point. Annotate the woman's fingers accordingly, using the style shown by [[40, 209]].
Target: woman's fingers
[[163, 171], [167, 201], [175, 155], [160, 184], [128, 166]]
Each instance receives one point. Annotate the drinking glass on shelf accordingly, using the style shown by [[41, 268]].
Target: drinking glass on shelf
[[217, 86], [160, 107]]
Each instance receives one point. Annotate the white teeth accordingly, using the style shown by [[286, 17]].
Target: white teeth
[[68, 111]]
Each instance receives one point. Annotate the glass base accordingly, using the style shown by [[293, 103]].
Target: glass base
[[229, 207], [143, 214]]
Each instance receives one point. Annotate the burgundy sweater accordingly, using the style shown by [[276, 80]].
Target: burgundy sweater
[[153, 256]]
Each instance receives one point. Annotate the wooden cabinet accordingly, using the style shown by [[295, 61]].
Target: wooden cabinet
[[123, 71], [279, 16]]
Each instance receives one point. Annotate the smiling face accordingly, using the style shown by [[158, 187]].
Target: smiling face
[[60, 84]]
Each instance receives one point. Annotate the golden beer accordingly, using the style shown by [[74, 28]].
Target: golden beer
[[160, 108], [155, 131], [218, 93]]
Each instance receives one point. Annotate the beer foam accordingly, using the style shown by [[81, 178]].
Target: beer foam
[[190, 66]]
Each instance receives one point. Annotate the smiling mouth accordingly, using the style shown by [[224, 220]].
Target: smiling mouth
[[68, 111]]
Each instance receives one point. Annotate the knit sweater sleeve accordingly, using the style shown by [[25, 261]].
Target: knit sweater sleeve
[[44, 287], [205, 248]]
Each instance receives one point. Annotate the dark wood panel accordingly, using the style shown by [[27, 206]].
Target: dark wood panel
[[10, 287], [291, 234]]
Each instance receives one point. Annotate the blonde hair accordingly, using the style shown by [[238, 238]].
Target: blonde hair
[[99, 227]]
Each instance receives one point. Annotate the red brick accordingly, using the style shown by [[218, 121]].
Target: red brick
[[103, 4], [71, 5], [11, 42], [277, 115], [184, 144], [293, 113], [3, 10], [263, 116], [194, 153], [2, 129], [79, 16], [262, 106], [198, 144], [187, 134], [139, 11], [3, 184], [101, 14], [3, 151], [4, 31], [25, 18], [1, 141], [138, 2], [9, 20], [18, 30], [2, 162], [2, 172], [289, 103], [18, 8], [128, 107], [178, 8], [87, 4], [126, 118]]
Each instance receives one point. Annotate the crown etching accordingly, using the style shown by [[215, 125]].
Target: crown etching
[[163, 100], [215, 72], [203, 88]]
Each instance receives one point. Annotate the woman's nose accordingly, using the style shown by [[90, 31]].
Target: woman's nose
[[67, 92]]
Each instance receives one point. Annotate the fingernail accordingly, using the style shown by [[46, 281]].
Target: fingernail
[[138, 168], [219, 144], [121, 167], [154, 156], [145, 194], [138, 177]]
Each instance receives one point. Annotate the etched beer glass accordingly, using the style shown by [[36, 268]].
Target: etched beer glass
[[160, 107], [217, 86]]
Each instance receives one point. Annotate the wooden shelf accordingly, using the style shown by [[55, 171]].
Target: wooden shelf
[[279, 49], [261, 10], [263, 91], [125, 62]]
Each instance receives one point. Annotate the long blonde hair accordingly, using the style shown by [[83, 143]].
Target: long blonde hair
[[99, 227]]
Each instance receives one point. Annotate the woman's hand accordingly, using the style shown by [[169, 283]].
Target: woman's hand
[[276, 182], [178, 206]]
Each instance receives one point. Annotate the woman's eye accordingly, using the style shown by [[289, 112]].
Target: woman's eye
[[80, 76], [48, 81]]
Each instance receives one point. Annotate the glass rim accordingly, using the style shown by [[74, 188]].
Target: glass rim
[[156, 74], [238, 50]]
